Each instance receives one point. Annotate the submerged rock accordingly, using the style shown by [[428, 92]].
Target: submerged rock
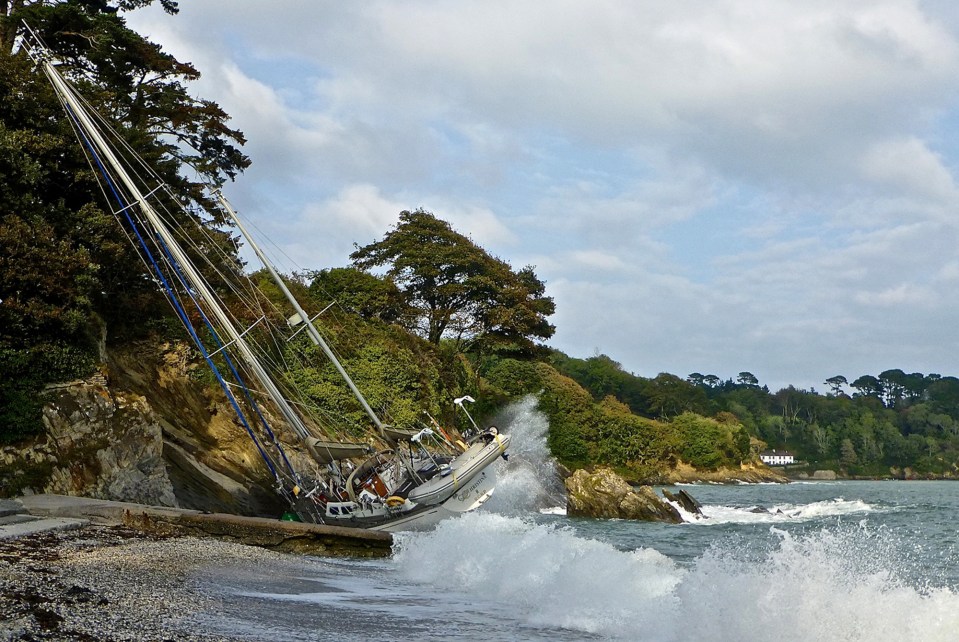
[[603, 493]]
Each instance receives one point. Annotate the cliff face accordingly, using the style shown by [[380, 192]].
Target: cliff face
[[745, 473], [144, 430]]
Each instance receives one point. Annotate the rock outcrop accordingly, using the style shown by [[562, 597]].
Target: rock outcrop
[[603, 493], [99, 444], [686, 501], [819, 475], [143, 430], [747, 473]]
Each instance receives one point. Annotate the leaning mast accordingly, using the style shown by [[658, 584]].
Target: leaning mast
[[310, 327], [192, 275]]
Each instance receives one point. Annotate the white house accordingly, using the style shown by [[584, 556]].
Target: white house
[[777, 457]]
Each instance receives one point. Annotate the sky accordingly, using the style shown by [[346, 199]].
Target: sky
[[711, 187]]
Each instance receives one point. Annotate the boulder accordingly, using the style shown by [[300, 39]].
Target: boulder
[[603, 493], [686, 501], [106, 444]]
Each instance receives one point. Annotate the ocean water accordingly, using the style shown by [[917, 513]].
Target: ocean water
[[868, 561]]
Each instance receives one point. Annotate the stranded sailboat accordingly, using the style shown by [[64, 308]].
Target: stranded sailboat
[[421, 477]]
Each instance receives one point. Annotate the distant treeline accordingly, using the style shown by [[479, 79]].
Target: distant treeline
[[867, 426]]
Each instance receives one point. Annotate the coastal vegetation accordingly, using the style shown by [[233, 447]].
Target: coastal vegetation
[[419, 317]]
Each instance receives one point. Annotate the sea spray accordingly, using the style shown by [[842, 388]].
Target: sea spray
[[839, 583], [782, 513], [836, 583], [529, 481], [545, 575]]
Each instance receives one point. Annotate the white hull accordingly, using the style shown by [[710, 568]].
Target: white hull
[[412, 516]]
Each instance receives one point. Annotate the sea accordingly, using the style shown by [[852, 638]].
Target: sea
[[818, 560]]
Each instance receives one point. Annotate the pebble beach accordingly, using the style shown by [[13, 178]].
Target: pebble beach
[[112, 583]]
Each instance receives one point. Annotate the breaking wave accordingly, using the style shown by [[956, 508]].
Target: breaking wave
[[529, 481], [838, 583]]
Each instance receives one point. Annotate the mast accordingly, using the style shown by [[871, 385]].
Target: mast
[[190, 272], [310, 328]]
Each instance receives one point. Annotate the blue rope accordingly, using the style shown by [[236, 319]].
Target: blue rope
[[181, 313], [226, 356]]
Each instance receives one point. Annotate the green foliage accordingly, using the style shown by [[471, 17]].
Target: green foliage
[[894, 420], [457, 290], [667, 395], [708, 444], [515, 378], [362, 293], [67, 270], [24, 373], [572, 420], [398, 379], [603, 377]]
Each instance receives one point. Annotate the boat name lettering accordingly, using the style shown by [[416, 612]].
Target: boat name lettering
[[472, 487]]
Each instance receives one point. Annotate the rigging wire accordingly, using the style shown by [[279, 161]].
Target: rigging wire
[[125, 210]]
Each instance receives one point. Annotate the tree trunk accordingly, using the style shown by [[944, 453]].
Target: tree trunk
[[8, 25]]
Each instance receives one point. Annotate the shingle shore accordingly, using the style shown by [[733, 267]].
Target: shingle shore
[[110, 583]]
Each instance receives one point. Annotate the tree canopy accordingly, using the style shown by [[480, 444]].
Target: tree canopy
[[457, 290], [892, 421], [67, 272]]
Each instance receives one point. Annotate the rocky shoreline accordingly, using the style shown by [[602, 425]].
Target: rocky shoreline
[[112, 583]]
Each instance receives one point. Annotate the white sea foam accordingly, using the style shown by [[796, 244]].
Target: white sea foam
[[780, 513], [546, 576], [553, 510], [836, 584]]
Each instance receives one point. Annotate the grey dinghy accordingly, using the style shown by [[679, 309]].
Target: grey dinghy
[[462, 470], [384, 497]]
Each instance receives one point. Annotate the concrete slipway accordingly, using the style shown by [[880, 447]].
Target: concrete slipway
[[39, 513]]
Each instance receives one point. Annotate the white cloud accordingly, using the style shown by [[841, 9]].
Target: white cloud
[[717, 186], [594, 259], [902, 294], [361, 208], [907, 166]]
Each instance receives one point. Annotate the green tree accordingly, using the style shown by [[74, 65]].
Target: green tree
[[458, 290], [668, 396], [836, 383], [67, 272], [944, 395], [847, 453], [868, 386], [711, 381], [894, 386], [361, 292]]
